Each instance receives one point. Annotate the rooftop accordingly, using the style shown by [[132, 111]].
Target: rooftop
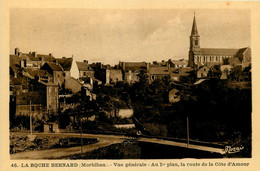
[[83, 66]]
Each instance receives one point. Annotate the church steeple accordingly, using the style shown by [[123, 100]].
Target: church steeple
[[194, 43], [194, 37], [194, 30]]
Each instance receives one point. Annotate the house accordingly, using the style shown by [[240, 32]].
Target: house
[[50, 91], [177, 73], [158, 72], [85, 70], [56, 70], [43, 99], [28, 103], [66, 64], [35, 73], [131, 70], [113, 75], [179, 63]]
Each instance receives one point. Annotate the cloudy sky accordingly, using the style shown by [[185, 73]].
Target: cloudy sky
[[127, 35]]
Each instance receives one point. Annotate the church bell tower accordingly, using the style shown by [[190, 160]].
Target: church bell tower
[[194, 42]]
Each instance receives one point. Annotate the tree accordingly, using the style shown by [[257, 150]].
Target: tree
[[236, 72]]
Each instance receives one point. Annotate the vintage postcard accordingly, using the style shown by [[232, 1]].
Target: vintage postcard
[[123, 85]]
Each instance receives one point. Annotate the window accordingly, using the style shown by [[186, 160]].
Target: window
[[64, 74], [205, 58], [84, 73], [58, 75], [198, 58], [196, 42]]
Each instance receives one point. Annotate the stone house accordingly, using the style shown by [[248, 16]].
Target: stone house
[[179, 63], [56, 71], [85, 70], [131, 70], [113, 75], [66, 64], [45, 99], [158, 72], [35, 73]]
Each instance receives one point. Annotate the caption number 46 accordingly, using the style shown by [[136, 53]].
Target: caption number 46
[[14, 165]]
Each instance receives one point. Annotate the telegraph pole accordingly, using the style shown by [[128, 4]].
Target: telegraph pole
[[31, 117], [81, 140]]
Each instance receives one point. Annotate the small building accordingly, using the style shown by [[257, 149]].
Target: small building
[[124, 113], [51, 127]]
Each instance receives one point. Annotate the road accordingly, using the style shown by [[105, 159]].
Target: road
[[104, 140], [180, 144]]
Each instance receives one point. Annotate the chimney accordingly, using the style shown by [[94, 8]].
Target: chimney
[[50, 54], [16, 51], [123, 66], [23, 63], [85, 61], [56, 61], [34, 54], [147, 66]]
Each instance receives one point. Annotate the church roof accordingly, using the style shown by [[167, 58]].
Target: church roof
[[218, 51]]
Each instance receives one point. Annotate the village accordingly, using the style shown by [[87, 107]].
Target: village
[[211, 88]]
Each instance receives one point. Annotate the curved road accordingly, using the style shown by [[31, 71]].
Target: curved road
[[104, 140]]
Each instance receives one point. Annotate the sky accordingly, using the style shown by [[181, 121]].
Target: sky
[[110, 36]]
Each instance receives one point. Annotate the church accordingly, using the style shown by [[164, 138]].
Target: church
[[215, 56]]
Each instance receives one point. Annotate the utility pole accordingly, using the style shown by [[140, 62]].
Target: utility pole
[[81, 140], [188, 136], [31, 117]]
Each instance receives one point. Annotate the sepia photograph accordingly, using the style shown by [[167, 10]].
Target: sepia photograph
[[130, 84]]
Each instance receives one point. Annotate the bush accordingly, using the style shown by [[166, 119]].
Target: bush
[[156, 129]]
